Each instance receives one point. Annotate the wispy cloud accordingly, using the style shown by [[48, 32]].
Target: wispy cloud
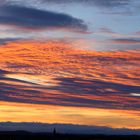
[[102, 3], [137, 33], [128, 41], [69, 76], [6, 40], [106, 30]]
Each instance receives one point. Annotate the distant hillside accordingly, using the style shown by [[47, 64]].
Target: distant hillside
[[24, 135], [64, 129]]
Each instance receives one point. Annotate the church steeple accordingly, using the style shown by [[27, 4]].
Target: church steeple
[[54, 131]]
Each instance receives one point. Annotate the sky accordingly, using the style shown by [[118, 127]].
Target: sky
[[70, 62]]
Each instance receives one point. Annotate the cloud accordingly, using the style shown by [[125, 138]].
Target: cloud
[[33, 19], [60, 80], [70, 77], [110, 3], [100, 3], [69, 92], [2, 2], [132, 41], [106, 30], [137, 33], [7, 40]]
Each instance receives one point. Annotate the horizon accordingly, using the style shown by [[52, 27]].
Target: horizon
[[69, 129]]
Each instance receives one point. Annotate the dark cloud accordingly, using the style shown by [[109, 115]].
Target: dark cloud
[[102, 3], [126, 40], [3, 72], [72, 92], [7, 40], [30, 18], [99, 3]]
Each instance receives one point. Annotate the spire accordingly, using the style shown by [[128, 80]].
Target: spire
[[54, 131]]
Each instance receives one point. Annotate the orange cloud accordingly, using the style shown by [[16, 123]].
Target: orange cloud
[[20, 112], [56, 74]]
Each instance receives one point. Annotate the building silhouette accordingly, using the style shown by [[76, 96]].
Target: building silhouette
[[54, 131]]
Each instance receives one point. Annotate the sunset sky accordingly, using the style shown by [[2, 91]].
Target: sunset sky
[[70, 62]]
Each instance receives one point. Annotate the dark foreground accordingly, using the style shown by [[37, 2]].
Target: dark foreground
[[21, 135]]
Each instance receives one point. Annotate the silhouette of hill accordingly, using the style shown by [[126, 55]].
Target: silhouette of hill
[[25, 135], [65, 129]]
